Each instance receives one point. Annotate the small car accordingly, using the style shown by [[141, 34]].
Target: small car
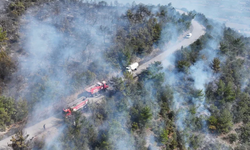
[[188, 35]]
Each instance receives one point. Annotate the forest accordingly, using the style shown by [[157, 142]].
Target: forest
[[52, 49]]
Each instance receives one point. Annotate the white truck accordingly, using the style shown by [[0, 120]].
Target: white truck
[[132, 67]]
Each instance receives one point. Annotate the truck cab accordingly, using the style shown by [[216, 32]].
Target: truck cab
[[67, 112]]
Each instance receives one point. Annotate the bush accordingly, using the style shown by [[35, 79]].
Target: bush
[[232, 138], [3, 35], [6, 65]]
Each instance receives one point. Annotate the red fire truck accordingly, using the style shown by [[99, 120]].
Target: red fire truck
[[93, 90], [75, 106]]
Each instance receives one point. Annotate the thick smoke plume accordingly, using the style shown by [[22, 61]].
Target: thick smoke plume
[[62, 41], [59, 46]]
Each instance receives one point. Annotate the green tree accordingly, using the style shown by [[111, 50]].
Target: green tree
[[226, 93], [21, 110], [221, 88], [164, 136], [153, 73], [245, 133], [118, 84], [6, 65], [3, 35], [241, 110], [224, 121], [135, 126], [4, 118], [145, 114], [183, 65], [223, 48], [105, 144], [196, 93], [212, 122], [17, 8], [215, 65], [20, 141], [238, 46], [229, 93], [193, 110], [7, 111]]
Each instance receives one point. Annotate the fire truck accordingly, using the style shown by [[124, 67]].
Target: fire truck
[[93, 90], [76, 105]]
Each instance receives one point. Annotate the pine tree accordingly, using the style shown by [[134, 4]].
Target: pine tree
[[215, 65], [146, 114], [223, 48], [229, 94], [225, 121], [221, 88]]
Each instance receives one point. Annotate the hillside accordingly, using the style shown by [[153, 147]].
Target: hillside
[[193, 96]]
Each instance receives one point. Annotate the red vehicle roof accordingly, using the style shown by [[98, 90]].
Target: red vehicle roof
[[80, 105]]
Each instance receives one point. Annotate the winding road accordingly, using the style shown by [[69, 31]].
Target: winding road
[[53, 123], [197, 31]]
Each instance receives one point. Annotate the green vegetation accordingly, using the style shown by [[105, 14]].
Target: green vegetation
[[132, 102], [84, 78], [226, 101], [6, 65], [11, 111], [144, 29], [17, 8], [232, 138], [3, 35], [215, 65], [20, 141]]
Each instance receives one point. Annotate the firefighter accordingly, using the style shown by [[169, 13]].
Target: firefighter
[[44, 127]]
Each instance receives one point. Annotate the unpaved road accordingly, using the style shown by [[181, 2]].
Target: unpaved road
[[53, 122]]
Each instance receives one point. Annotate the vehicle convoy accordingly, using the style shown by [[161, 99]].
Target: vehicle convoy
[[99, 86], [75, 106], [132, 67], [83, 101]]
